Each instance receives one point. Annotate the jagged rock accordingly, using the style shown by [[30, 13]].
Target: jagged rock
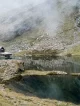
[[10, 69]]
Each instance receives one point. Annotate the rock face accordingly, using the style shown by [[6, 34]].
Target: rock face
[[10, 69]]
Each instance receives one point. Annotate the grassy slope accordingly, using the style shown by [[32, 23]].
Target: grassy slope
[[24, 41], [75, 51], [29, 39], [70, 36]]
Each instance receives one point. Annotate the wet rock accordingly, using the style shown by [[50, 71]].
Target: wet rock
[[57, 73], [11, 69]]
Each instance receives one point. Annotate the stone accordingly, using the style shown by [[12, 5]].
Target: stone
[[10, 69], [57, 73]]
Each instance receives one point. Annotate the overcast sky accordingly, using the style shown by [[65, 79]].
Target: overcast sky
[[7, 5]]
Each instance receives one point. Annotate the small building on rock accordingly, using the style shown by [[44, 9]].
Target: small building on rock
[[2, 49]]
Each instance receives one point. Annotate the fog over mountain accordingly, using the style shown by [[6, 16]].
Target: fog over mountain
[[18, 16]]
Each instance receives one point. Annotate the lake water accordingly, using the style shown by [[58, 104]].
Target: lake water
[[59, 87], [67, 64]]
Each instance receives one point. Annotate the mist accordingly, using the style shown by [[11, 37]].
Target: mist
[[18, 16]]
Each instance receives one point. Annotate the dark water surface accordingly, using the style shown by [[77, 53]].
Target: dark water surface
[[60, 87]]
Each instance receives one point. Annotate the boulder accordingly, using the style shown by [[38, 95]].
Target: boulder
[[10, 69]]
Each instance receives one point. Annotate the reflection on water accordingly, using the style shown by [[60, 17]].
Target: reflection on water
[[68, 64], [63, 88], [60, 87]]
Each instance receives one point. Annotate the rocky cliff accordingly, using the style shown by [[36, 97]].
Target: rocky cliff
[[10, 69]]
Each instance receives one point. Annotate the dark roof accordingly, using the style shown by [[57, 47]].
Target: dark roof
[[1, 47]]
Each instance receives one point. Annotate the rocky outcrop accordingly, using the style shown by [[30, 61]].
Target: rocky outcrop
[[10, 69]]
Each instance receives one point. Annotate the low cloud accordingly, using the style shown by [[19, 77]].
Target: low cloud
[[18, 16]]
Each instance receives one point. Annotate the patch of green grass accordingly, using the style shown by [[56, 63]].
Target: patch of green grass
[[74, 50]]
